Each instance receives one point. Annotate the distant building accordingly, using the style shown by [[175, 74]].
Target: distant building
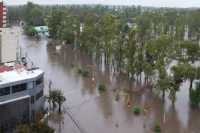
[[42, 30], [2, 14], [9, 44], [21, 95], [22, 23]]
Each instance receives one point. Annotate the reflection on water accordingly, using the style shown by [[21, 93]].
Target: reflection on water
[[98, 111]]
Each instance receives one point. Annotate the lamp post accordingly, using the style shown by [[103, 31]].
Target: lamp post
[[164, 117], [93, 71]]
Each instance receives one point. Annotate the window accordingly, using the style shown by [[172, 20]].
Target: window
[[40, 94], [32, 99], [30, 85], [4, 91], [39, 81], [18, 88]]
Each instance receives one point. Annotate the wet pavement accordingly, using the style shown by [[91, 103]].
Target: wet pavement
[[96, 111]]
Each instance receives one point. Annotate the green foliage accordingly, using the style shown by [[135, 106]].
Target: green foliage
[[30, 30], [101, 86], [38, 125], [80, 70], [49, 44], [136, 110], [54, 96], [8, 26], [37, 37], [23, 59], [22, 128], [72, 64], [190, 51], [85, 73], [194, 95], [157, 128], [25, 64]]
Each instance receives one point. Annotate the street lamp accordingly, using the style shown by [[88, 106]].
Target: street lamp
[[93, 71]]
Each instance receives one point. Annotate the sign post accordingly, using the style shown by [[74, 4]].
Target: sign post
[[145, 114]]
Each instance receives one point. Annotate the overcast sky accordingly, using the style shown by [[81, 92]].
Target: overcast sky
[[155, 3]]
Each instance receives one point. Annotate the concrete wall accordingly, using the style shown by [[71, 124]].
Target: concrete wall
[[9, 44]]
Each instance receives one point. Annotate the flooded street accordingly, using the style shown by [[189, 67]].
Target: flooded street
[[98, 111]]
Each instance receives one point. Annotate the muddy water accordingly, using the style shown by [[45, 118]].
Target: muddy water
[[99, 112]]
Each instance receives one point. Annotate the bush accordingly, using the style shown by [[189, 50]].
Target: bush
[[157, 128], [23, 59], [49, 44], [80, 70], [72, 64], [31, 31], [8, 26], [136, 110], [85, 73], [101, 87]]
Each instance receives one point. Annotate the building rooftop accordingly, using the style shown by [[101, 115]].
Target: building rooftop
[[16, 73], [41, 28]]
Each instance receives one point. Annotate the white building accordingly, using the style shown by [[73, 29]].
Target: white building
[[9, 44], [21, 95]]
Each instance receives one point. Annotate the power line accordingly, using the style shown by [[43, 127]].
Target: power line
[[74, 119]]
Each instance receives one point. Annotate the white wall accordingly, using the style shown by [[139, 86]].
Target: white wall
[[9, 44]]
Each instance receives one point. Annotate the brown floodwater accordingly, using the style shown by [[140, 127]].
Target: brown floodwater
[[96, 111]]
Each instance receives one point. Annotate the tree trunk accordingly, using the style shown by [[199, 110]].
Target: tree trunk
[[163, 93], [191, 82]]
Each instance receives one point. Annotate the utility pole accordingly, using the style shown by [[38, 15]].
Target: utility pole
[[59, 98]]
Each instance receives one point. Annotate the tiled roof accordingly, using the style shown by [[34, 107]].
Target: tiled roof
[[5, 68], [17, 66]]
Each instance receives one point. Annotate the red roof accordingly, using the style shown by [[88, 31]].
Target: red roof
[[17, 66], [5, 68]]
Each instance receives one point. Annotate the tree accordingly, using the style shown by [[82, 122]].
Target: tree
[[190, 73], [144, 26], [107, 28], [37, 16], [54, 22], [54, 97], [194, 95], [22, 128], [160, 53], [38, 125], [68, 28], [190, 51]]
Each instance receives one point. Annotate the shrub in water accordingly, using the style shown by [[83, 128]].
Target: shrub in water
[[136, 110], [101, 87], [157, 128], [49, 44], [72, 64], [80, 70], [85, 73]]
